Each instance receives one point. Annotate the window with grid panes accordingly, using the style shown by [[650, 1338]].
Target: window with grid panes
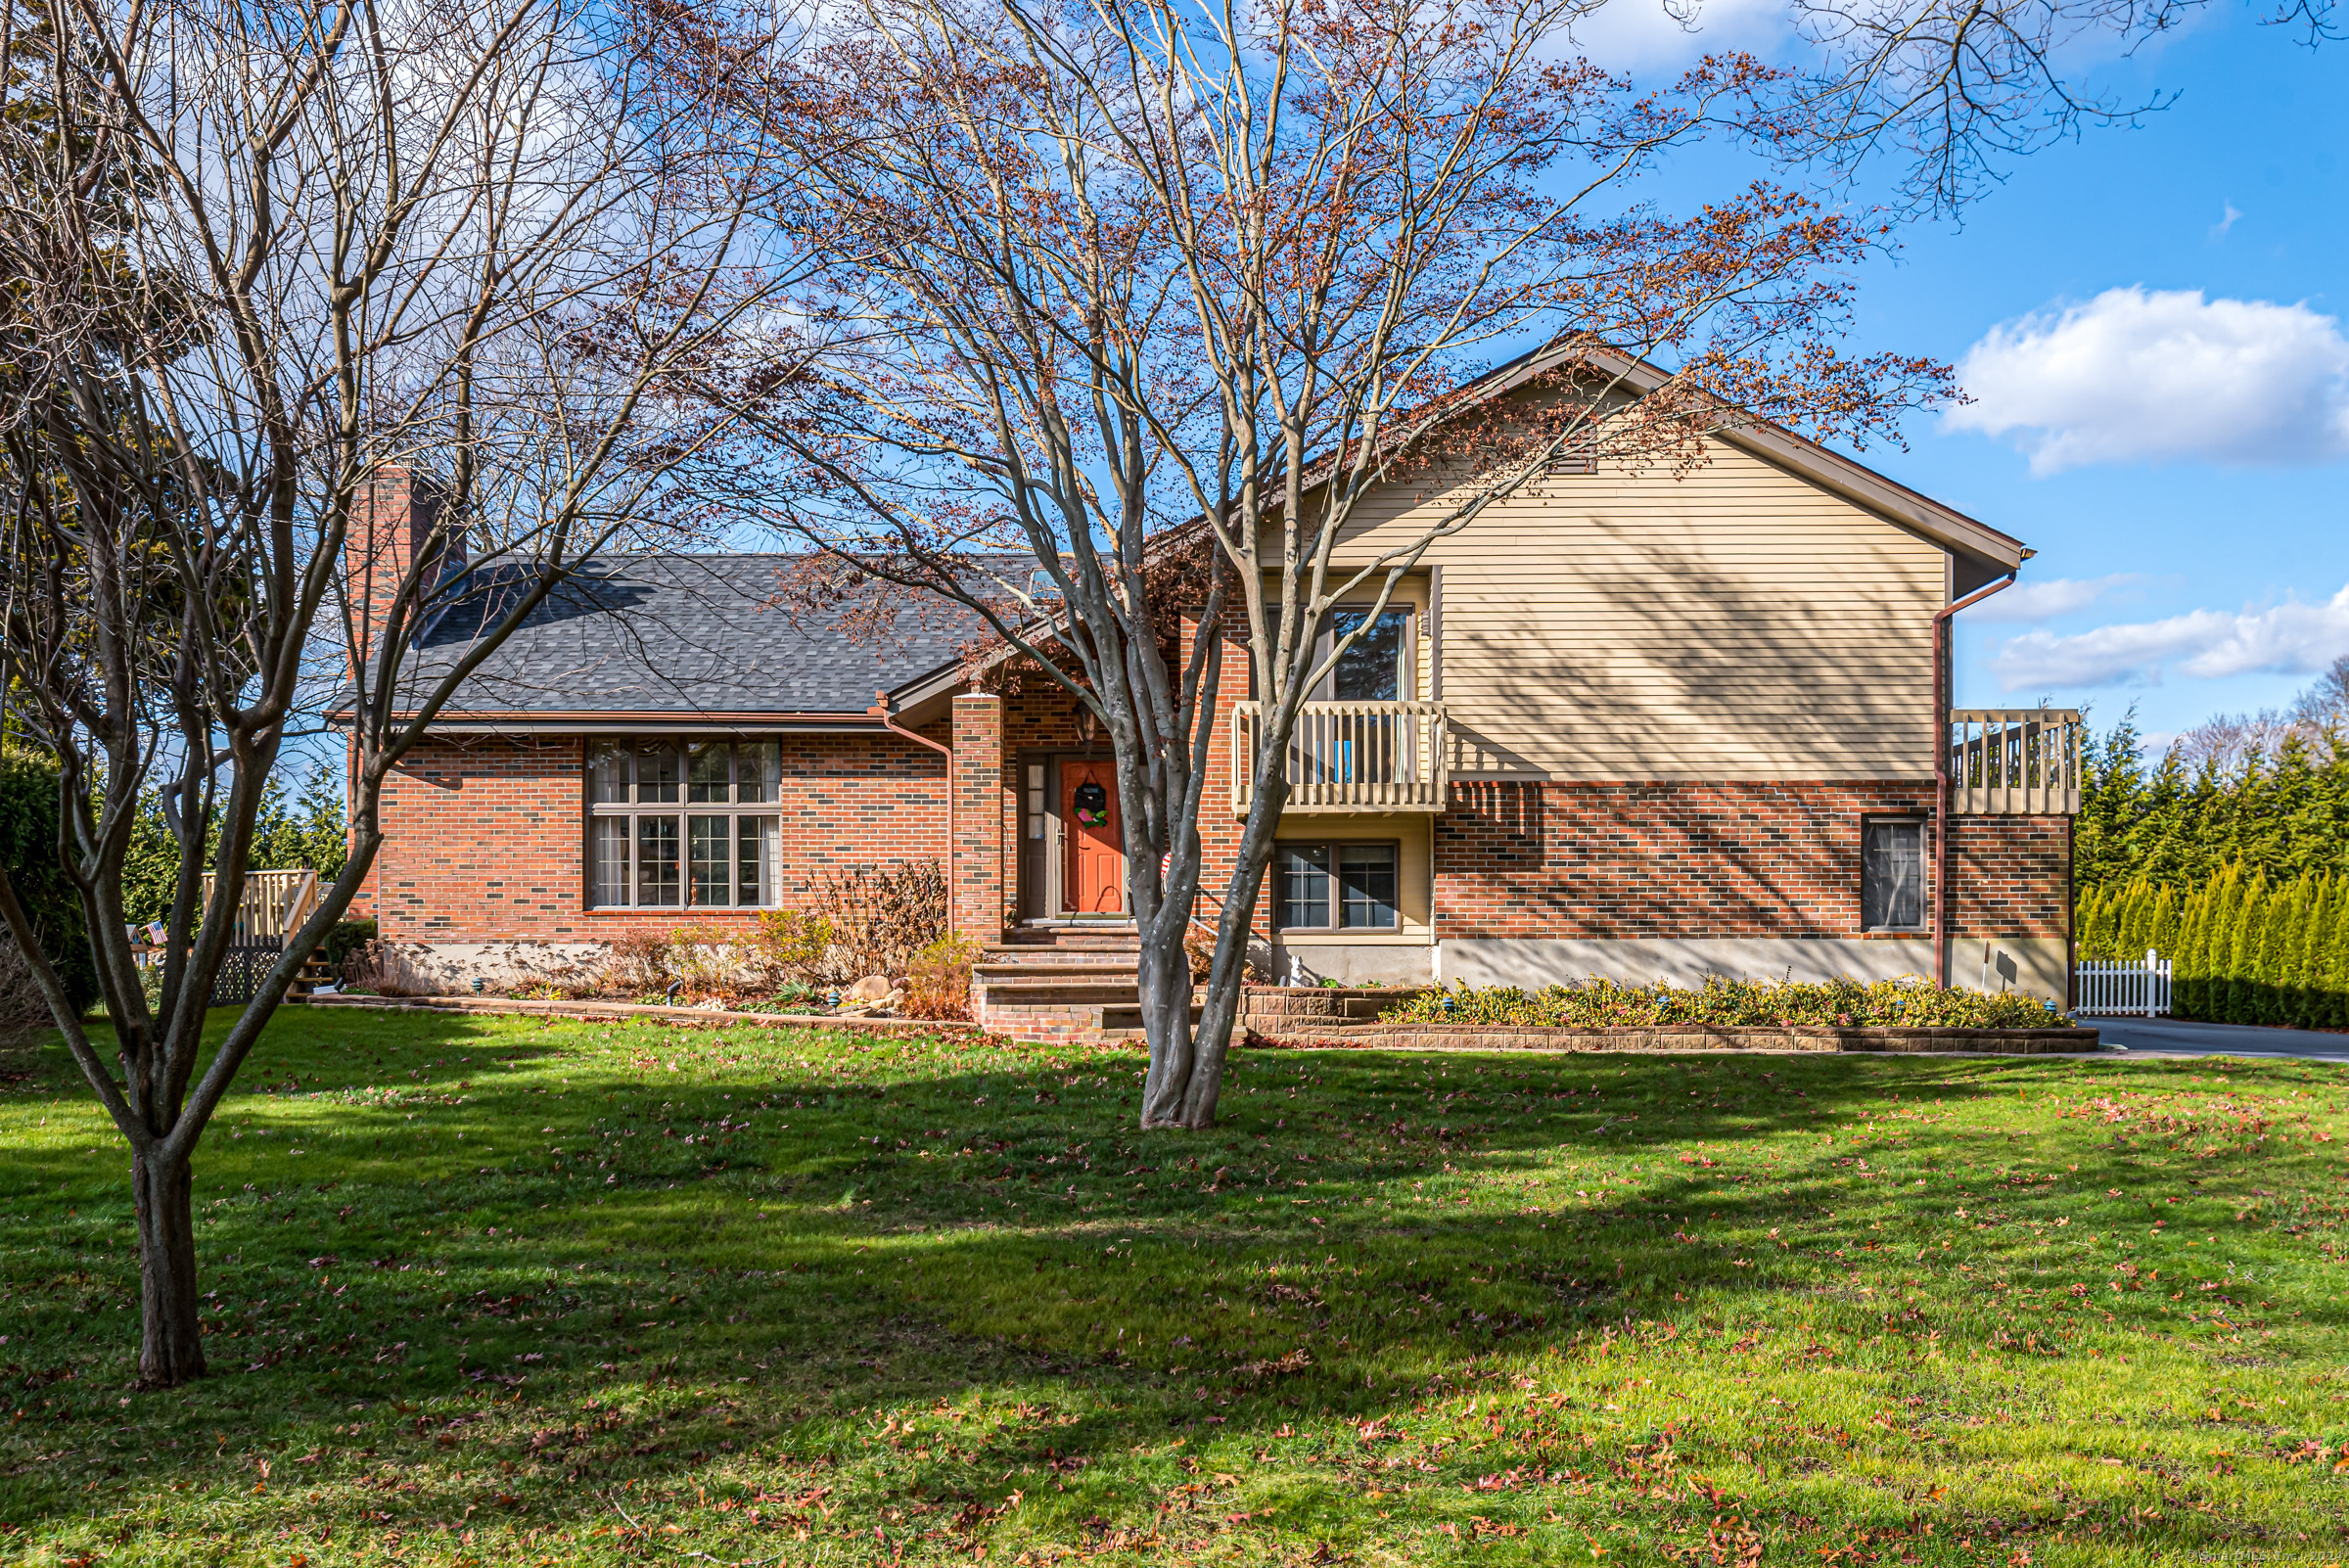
[[1334, 887], [666, 828]]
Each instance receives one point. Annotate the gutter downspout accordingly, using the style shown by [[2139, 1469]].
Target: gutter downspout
[[880, 711], [1941, 772]]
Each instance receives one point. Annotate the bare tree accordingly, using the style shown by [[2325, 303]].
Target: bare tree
[[1148, 300], [1950, 91], [2324, 704], [472, 242], [2231, 740]]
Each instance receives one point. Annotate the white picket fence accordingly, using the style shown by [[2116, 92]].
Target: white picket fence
[[2137, 987]]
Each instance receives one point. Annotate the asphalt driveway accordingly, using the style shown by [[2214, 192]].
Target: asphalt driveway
[[2174, 1036]]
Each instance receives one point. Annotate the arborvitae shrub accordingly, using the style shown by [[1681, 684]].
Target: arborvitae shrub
[[28, 785]]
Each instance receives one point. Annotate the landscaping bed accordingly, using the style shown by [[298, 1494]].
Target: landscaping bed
[[1909, 1002], [1906, 1017], [583, 1009], [1406, 1034]]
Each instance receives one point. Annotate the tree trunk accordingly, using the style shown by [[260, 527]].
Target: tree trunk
[[170, 1338], [1186, 1081], [1211, 1044], [1164, 981]]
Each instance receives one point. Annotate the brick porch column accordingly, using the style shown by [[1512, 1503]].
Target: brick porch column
[[975, 776]]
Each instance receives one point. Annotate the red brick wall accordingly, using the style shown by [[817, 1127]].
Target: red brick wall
[[2010, 876], [484, 839], [982, 809], [392, 518], [485, 843], [1768, 860]]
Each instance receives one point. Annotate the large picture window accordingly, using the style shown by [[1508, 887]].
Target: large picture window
[[1377, 666], [1334, 887], [1892, 874], [664, 828]]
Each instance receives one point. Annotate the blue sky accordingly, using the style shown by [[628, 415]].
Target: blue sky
[[2153, 322]]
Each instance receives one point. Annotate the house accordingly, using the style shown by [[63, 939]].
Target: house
[[1627, 724]]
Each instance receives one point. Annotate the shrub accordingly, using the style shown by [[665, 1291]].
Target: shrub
[[1606, 1004], [343, 936], [785, 950], [29, 786], [937, 979], [2244, 949], [1199, 947], [377, 966], [23, 1010], [794, 993], [880, 917], [639, 963], [705, 959], [568, 983]]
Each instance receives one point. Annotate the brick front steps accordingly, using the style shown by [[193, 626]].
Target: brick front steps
[[1063, 983], [1304, 1034], [1077, 984]]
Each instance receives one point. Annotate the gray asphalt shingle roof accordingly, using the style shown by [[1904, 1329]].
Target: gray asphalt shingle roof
[[684, 634]]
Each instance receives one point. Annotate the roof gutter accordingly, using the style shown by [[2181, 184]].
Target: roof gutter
[[1941, 773], [651, 721]]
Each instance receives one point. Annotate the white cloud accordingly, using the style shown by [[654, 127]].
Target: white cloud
[[2146, 376], [2045, 601], [2228, 218], [2288, 638], [1640, 36]]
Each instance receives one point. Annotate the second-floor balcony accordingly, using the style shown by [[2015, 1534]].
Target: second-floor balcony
[[2014, 762], [1349, 757]]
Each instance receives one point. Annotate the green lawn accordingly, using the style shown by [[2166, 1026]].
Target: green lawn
[[517, 1291]]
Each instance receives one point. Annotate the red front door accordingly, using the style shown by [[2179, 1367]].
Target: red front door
[[1093, 880]]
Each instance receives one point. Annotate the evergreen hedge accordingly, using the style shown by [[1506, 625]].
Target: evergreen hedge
[[2177, 825], [2245, 947], [29, 784]]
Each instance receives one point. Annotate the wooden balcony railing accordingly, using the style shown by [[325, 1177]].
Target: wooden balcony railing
[[273, 908], [1351, 757], [2014, 762]]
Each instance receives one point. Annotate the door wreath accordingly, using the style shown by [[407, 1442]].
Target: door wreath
[[1093, 803]]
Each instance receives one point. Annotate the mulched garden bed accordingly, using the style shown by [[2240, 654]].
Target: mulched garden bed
[[587, 1010], [1302, 1033], [1315, 1034]]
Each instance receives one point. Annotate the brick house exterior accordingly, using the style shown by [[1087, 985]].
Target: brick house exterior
[[1734, 773]]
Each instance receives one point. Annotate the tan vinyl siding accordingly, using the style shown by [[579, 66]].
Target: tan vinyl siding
[[1736, 622]]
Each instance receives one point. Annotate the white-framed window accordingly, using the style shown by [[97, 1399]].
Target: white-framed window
[[1335, 886], [666, 829]]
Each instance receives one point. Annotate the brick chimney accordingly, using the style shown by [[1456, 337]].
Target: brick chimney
[[395, 520]]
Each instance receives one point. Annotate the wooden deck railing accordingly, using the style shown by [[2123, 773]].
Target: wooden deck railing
[[2014, 762], [274, 905], [1351, 757]]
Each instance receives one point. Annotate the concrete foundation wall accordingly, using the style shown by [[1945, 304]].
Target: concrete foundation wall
[[1355, 963], [2034, 965], [450, 968]]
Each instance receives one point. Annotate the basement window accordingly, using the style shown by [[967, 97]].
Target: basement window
[[1334, 887], [661, 834], [1892, 873]]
